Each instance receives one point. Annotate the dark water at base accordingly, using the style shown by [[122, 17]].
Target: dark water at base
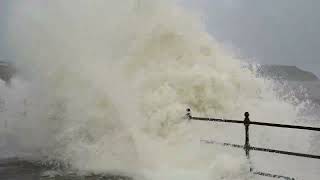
[[14, 169]]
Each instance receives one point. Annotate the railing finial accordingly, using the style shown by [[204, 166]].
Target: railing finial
[[246, 118], [188, 115], [246, 114]]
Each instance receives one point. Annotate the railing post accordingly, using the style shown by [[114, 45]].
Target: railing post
[[246, 123]]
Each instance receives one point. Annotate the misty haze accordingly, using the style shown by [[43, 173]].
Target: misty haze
[[159, 90]]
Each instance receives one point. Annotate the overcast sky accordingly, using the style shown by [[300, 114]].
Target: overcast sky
[[269, 31], [3, 12]]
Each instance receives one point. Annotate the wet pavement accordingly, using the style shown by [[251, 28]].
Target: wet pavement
[[14, 169]]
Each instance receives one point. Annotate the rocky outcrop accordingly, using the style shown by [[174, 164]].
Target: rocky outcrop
[[6, 71], [288, 73]]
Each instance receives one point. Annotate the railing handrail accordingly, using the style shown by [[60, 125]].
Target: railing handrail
[[247, 146], [256, 123]]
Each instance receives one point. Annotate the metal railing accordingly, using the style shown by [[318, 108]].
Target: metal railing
[[247, 147]]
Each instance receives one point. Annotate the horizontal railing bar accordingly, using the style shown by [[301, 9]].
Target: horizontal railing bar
[[285, 152], [264, 149], [257, 123], [272, 175], [216, 120], [223, 144], [285, 126]]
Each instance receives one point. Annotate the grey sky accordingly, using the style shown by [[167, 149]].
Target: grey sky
[[269, 31], [3, 12]]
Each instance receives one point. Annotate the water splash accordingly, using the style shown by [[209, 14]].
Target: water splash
[[107, 82]]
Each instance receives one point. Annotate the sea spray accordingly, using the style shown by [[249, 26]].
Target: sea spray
[[107, 84]]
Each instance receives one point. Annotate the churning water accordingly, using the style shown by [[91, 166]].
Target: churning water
[[105, 87]]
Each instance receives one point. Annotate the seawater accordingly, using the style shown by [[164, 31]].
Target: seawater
[[103, 87]]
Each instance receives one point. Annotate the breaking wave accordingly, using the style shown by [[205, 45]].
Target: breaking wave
[[103, 86]]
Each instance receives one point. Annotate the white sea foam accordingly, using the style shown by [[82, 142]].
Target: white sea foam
[[106, 85]]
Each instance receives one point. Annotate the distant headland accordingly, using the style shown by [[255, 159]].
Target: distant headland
[[284, 72], [6, 71]]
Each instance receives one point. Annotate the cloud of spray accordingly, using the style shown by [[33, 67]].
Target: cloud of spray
[[106, 84]]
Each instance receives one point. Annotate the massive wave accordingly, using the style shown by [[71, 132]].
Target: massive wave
[[103, 86]]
